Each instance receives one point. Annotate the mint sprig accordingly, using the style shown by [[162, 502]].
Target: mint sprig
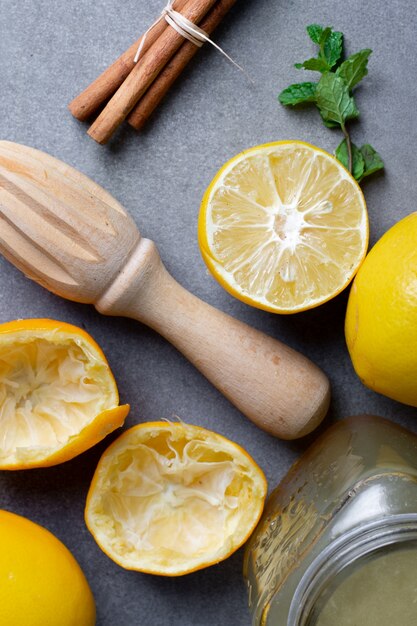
[[333, 96]]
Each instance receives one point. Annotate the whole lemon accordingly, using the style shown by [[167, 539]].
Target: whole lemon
[[41, 584], [381, 318]]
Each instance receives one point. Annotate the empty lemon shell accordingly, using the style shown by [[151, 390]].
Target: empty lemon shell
[[58, 396], [170, 499]]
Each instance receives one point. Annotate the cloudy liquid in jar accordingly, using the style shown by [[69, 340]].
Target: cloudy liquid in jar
[[380, 592], [337, 543]]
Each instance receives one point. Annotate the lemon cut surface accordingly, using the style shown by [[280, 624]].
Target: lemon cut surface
[[283, 227], [58, 396], [169, 499]]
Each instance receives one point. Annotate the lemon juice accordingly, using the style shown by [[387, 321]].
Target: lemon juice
[[382, 592]]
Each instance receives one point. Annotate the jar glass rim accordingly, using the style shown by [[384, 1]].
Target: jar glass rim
[[343, 552]]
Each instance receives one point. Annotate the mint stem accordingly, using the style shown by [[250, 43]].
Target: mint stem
[[349, 146]]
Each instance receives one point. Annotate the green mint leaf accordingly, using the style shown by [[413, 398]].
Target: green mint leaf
[[330, 42], [316, 65], [298, 93], [358, 161], [328, 123], [333, 99], [324, 35], [332, 48], [354, 68], [314, 32], [341, 154], [372, 160]]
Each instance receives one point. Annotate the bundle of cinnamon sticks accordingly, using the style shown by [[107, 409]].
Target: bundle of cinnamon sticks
[[132, 90]]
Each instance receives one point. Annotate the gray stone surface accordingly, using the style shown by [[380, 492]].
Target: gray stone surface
[[48, 52]]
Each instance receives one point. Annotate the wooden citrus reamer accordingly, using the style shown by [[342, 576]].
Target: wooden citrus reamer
[[71, 236]]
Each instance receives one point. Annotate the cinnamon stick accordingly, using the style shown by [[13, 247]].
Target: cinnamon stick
[[144, 73], [159, 88], [105, 85]]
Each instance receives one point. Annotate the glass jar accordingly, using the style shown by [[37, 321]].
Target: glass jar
[[337, 543]]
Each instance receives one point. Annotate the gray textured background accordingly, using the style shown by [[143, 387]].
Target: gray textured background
[[48, 52]]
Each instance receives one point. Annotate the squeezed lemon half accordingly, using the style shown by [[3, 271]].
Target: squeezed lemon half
[[169, 498], [58, 396], [283, 226]]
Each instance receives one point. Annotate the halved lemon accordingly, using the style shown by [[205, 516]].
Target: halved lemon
[[170, 499], [58, 396], [283, 227]]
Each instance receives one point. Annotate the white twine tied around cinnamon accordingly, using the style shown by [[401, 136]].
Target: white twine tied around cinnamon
[[188, 30]]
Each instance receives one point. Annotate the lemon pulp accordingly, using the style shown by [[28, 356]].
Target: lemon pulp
[[48, 393], [171, 498], [58, 396], [283, 226]]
